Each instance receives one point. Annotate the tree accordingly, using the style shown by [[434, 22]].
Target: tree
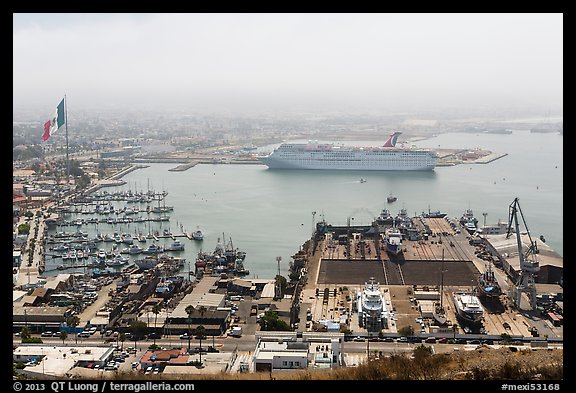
[[270, 321], [63, 336], [189, 310], [138, 329], [156, 310], [281, 281], [407, 330], [25, 333], [23, 229], [73, 320], [200, 331]]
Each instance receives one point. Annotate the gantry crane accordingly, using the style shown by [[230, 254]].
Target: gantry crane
[[529, 265]]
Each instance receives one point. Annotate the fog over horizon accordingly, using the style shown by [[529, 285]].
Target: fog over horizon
[[477, 63]]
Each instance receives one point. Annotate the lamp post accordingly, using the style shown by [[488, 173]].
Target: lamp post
[[313, 221]]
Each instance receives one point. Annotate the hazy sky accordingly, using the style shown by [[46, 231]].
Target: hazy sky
[[228, 61]]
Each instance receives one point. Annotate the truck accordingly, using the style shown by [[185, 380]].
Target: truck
[[236, 331]]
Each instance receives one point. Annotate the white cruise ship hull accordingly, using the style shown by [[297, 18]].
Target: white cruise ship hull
[[334, 158]]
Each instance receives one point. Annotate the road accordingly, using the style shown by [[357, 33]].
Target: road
[[247, 343]]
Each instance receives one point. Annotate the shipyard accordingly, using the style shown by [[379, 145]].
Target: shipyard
[[439, 261]]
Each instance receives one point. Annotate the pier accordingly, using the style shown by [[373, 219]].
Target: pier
[[183, 167]]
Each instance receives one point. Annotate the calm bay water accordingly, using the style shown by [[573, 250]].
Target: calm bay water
[[269, 213]]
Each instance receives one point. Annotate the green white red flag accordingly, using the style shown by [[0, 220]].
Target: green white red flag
[[55, 122]]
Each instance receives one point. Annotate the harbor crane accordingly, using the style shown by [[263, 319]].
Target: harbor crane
[[529, 265]]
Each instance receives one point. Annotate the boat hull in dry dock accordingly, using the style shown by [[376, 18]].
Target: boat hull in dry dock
[[468, 307]]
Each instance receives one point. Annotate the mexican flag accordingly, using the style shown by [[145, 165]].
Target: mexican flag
[[55, 122]]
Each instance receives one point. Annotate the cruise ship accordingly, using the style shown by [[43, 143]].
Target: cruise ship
[[329, 156]]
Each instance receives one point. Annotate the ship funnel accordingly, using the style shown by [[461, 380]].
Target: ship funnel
[[391, 142]]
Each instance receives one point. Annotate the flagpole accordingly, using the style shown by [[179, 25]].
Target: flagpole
[[66, 122]]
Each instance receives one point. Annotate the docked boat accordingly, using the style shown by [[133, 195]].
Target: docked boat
[[391, 198], [488, 286], [117, 261], [402, 220], [127, 238], [177, 245], [152, 249], [135, 249], [385, 217], [372, 311], [338, 157], [435, 214], [468, 306], [146, 263], [469, 222], [393, 238], [197, 235]]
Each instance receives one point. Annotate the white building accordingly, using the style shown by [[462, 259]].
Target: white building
[[56, 361], [277, 351]]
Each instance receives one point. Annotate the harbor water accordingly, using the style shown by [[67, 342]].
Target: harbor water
[[271, 213]]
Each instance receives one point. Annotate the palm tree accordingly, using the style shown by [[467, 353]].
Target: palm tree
[[156, 310], [25, 333], [63, 336], [73, 321], [189, 310], [200, 331]]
